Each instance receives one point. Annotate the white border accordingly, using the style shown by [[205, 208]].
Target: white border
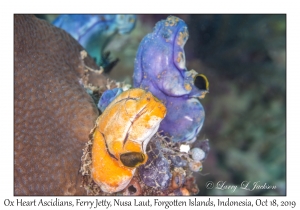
[[153, 6]]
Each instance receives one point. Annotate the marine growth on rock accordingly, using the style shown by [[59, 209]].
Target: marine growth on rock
[[167, 168], [134, 146]]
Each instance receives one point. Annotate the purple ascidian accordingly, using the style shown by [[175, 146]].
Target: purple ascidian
[[160, 68], [107, 97]]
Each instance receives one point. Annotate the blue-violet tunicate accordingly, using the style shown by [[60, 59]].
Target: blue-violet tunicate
[[160, 68]]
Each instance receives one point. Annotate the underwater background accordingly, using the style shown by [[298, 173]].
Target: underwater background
[[244, 59]]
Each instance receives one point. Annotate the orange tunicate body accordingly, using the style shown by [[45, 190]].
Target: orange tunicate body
[[126, 126]]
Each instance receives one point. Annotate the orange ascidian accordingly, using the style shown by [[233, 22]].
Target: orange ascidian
[[121, 135]]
